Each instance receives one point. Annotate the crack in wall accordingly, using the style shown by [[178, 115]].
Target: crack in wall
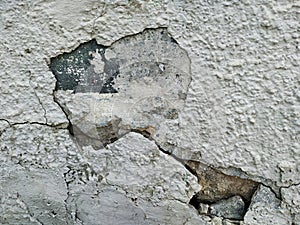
[[198, 202], [66, 112], [11, 124], [220, 192], [38, 98], [68, 196]]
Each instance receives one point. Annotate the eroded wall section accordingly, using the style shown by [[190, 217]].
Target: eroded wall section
[[149, 112]]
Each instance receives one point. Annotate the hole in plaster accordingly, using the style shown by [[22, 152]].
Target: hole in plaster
[[142, 80], [221, 194], [85, 69]]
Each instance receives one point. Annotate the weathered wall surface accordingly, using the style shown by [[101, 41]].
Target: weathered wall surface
[[149, 112]]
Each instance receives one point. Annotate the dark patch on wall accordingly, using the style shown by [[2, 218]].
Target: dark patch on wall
[[74, 71], [109, 133]]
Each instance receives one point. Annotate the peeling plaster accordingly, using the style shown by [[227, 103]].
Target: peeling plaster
[[237, 113]]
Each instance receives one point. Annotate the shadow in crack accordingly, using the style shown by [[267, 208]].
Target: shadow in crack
[[221, 195]]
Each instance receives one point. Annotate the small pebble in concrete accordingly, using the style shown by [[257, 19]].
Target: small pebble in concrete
[[203, 208], [231, 208]]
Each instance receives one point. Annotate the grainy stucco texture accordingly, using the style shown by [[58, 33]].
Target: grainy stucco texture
[[108, 134]]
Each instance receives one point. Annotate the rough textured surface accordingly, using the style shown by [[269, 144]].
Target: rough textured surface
[[232, 208], [266, 208], [291, 197], [123, 194], [33, 196], [237, 109]]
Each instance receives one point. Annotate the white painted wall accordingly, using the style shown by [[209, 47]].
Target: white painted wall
[[241, 113]]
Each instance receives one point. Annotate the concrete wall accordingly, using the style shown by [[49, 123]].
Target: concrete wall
[[149, 112]]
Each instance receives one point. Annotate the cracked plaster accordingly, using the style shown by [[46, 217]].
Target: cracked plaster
[[241, 110]]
